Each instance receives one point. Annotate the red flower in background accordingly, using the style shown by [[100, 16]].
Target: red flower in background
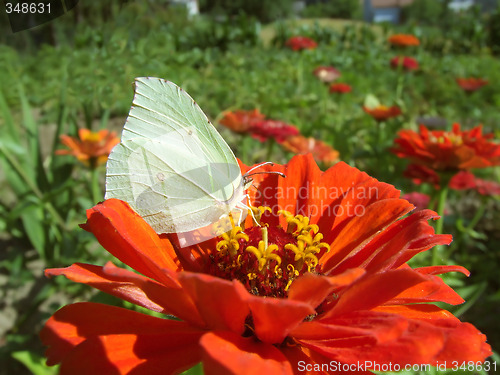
[[327, 282], [277, 130], [408, 63], [299, 43], [382, 112], [340, 88], [448, 151], [241, 121], [465, 180], [421, 174], [326, 74], [419, 200], [403, 40], [320, 151], [90, 148], [471, 84]]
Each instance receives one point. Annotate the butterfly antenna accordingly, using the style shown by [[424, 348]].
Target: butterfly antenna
[[248, 173], [266, 172]]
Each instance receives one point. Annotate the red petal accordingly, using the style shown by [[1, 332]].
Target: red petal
[[433, 290], [128, 237], [418, 311], [437, 270], [374, 290], [134, 288], [359, 230], [397, 244], [218, 301], [269, 328], [392, 339], [131, 354], [73, 324], [228, 353], [313, 289], [374, 329]]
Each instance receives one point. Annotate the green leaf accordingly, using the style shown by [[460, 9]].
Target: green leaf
[[34, 362], [33, 217]]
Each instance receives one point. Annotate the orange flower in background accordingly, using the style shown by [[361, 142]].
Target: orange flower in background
[[240, 121], [91, 148], [382, 112], [278, 130], [325, 280], [403, 40], [320, 151], [448, 150], [340, 88], [465, 180], [326, 74], [407, 63], [299, 43], [471, 84]]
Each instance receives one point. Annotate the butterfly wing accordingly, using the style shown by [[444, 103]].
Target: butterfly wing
[[172, 166]]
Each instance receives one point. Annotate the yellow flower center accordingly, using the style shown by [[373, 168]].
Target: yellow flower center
[[268, 259]]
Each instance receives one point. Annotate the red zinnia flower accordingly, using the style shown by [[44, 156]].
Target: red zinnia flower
[[419, 200], [340, 88], [404, 40], [326, 74], [422, 174], [92, 148], [277, 130], [408, 63], [442, 150], [331, 285], [471, 84], [240, 121], [465, 180], [298, 43], [382, 113], [320, 151]]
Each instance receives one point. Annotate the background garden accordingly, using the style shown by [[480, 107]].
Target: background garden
[[76, 72]]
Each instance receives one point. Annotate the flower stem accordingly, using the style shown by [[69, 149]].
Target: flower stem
[[472, 224], [94, 186], [443, 193], [270, 147]]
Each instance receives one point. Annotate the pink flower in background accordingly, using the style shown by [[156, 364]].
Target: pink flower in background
[[326, 74], [465, 180], [278, 130], [419, 200]]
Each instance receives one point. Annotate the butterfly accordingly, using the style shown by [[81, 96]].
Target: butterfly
[[172, 166]]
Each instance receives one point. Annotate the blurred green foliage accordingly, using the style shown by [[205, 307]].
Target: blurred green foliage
[[346, 9], [264, 11], [78, 73]]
